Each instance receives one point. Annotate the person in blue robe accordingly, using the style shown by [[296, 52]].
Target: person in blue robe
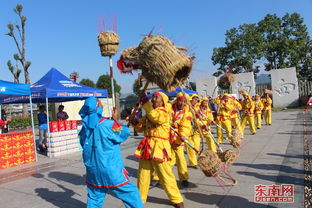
[[105, 171]]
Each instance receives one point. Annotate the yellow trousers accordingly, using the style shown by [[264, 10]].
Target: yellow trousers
[[192, 155], [268, 116], [166, 176], [227, 125], [251, 121], [258, 120], [236, 123], [179, 159]]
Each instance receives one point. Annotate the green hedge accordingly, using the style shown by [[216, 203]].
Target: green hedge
[[21, 122]]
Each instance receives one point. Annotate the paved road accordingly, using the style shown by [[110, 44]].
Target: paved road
[[272, 156]]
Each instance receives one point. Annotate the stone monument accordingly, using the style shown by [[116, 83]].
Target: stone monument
[[207, 87], [244, 81], [285, 87]]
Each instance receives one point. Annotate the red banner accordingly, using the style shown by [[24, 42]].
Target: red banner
[[16, 148]]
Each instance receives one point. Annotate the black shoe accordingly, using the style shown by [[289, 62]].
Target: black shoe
[[258, 128], [180, 205], [194, 167], [185, 183], [253, 133], [154, 183]]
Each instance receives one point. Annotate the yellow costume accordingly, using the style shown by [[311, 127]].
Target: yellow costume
[[267, 109], [204, 120], [235, 120], [258, 111], [248, 117], [223, 116], [181, 122], [154, 151], [194, 139]]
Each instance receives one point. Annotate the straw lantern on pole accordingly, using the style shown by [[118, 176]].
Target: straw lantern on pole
[[109, 42]]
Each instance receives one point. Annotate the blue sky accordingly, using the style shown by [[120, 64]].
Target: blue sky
[[63, 33]]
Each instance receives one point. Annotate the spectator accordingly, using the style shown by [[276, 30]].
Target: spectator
[[213, 107], [5, 127], [61, 115], [43, 128], [309, 103]]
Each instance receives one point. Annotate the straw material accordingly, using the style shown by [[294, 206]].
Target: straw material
[[228, 77], [267, 91], [228, 156], [109, 42], [209, 163], [236, 138], [130, 54], [161, 62], [243, 92]]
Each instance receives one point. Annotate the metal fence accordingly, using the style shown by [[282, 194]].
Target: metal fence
[[305, 88]]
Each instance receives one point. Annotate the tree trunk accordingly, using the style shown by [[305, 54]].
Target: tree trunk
[[25, 110]]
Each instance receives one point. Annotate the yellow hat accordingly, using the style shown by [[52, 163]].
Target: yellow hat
[[194, 95]]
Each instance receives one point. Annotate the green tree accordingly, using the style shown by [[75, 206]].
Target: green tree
[[20, 44], [242, 50], [14, 70], [19, 41], [87, 82], [272, 43], [286, 43], [136, 87], [104, 82], [132, 96]]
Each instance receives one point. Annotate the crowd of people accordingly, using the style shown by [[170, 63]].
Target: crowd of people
[[167, 126]]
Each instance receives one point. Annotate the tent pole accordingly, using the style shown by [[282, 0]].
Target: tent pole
[[48, 121], [0, 116], [112, 79], [108, 107], [33, 125]]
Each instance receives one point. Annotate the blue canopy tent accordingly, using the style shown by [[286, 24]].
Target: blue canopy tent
[[56, 87], [174, 93], [14, 90]]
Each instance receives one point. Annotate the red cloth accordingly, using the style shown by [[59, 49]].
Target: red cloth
[[2, 123]]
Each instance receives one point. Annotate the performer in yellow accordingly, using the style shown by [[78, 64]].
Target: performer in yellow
[[223, 116], [248, 116], [267, 109], [181, 123], [195, 137], [154, 151], [235, 117], [204, 119], [258, 111]]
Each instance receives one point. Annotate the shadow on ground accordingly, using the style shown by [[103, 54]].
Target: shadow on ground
[[221, 201], [68, 177], [278, 167], [274, 178], [287, 156]]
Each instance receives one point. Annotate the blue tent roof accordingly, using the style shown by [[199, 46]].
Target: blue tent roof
[[10, 89], [57, 88], [174, 93]]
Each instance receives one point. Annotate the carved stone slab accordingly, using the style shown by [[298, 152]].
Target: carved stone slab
[[285, 87], [244, 81], [207, 87]]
